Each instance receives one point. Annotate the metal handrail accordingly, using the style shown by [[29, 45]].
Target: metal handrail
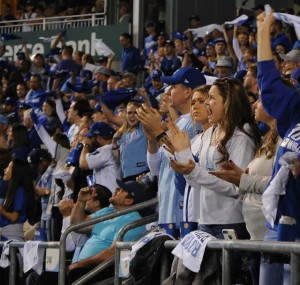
[[115, 259], [62, 248], [289, 248], [120, 238], [54, 23]]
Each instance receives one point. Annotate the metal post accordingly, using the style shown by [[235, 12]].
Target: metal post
[[226, 261], [13, 265], [165, 265], [295, 269]]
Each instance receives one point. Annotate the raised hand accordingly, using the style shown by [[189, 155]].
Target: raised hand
[[151, 119], [180, 140]]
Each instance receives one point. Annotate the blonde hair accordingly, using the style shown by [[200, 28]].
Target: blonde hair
[[125, 127]]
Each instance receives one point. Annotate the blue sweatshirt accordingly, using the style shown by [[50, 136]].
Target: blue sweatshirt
[[283, 104]]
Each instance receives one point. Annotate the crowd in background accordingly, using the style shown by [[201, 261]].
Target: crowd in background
[[206, 129]]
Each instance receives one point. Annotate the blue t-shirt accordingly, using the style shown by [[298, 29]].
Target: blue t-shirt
[[133, 152], [106, 232], [19, 206]]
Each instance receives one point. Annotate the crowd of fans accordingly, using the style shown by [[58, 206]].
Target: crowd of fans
[[214, 120]]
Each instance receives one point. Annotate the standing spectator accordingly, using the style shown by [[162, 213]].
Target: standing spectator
[[28, 15], [102, 161], [170, 198], [170, 63], [7, 15], [126, 141], [130, 55], [36, 94], [150, 42]]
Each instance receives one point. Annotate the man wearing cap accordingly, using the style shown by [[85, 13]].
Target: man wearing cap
[[101, 245], [211, 57], [130, 55], [98, 115], [182, 82], [170, 62], [102, 161], [150, 42], [158, 86], [62, 70], [224, 67], [220, 47], [194, 21], [40, 160], [101, 75], [36, 95], [291, 62]]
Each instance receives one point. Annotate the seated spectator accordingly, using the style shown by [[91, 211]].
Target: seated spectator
[[101, 244]]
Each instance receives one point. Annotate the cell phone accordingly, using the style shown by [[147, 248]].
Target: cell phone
[[229, 234]]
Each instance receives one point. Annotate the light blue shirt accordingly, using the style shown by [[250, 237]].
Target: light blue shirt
[[106, 232]]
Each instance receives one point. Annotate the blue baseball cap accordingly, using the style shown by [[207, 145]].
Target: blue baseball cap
[[98, 108], [134, 189], [156, 73], [100, 129], [217, 40], [189, 76]]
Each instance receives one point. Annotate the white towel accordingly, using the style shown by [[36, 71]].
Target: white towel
[[4, 261], [191, 249], [33, 256], [143, 241], [235, 21], [271, 195]]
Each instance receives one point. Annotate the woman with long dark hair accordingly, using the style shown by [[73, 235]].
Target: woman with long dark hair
[[19, 203]]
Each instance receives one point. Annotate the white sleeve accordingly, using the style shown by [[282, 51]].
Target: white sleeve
[[47, 140], [60, 110], [241, 152], [99, 158], [154, 161], [253, 183], [237, 49]]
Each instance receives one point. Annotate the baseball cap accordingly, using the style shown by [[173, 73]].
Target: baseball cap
[[9, 101], [221, 39], [102, 69], [85, 73], [134, 189], [156, 73], [224, 62], [194, 17], [170, 43], [150, 24], [98, 108], [29, 3], [293, 55], [37, 155], [189, 76], [101, 129], [24, 106]]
